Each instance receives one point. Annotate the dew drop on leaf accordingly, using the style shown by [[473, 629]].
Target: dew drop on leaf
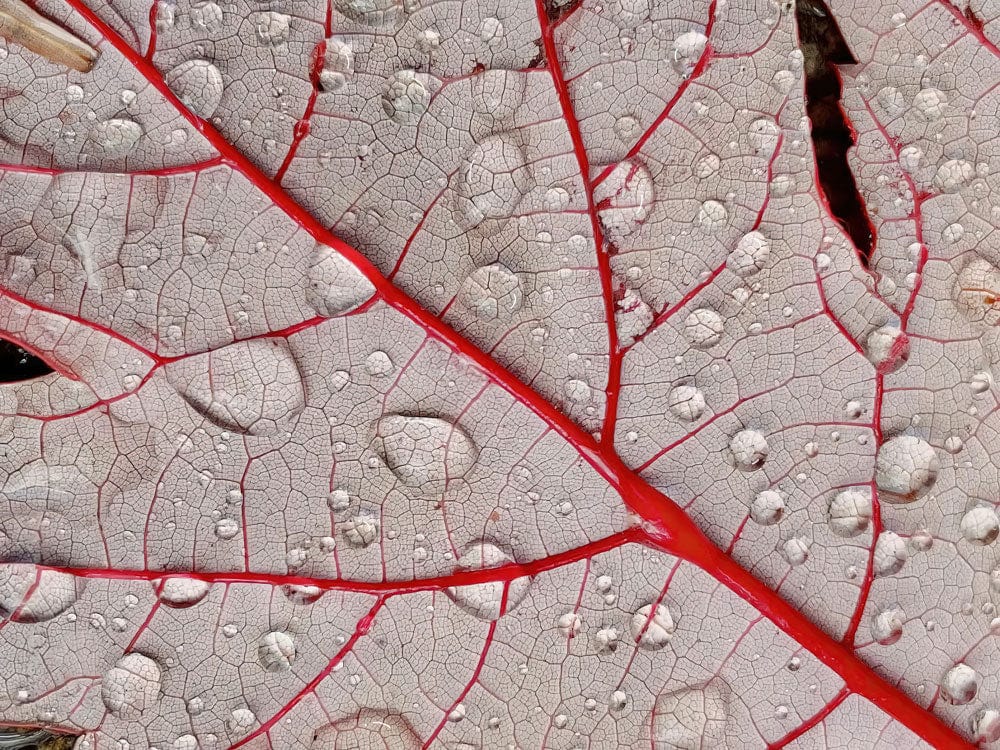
[[767, 508]]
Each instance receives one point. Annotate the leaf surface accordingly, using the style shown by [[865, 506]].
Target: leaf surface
[[500, 375]]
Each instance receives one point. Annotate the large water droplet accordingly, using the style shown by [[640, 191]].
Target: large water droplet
[[980, 526], [367, 729], [180, 592], [492, 292], [248, 387], [703, 328], [652, 626], [335, 285], [131, 686], [750, 254], [887, 626], [491, 180], [905, 469], [691, 717], [116, 137], [977, 291], [405, 96], [850, 512], [890, 554], [199, 86], [686, 402], [276, 651], [688, 49], [626, 199], [29, 593], [749, 449], [767, 508], [959, 685], [424, 452], [483, 600]]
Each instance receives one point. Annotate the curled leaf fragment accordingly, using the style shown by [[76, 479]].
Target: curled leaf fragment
[[22, 25]]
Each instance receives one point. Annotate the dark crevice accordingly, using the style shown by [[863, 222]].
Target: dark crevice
[[823, 48], [16, 738], [16, 364], [556, 9]]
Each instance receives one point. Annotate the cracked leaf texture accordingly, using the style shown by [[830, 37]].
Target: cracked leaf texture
[[496, 375]]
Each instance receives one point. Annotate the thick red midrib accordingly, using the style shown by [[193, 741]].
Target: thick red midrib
[[601, 250], [671, 529]]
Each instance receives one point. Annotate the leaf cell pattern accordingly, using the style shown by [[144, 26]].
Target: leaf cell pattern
[[474, 375]]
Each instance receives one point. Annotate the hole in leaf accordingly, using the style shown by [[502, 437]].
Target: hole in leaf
[[17, 365], [823, 48], [14, 738]]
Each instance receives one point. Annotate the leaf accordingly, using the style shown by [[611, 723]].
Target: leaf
[[500, 374]]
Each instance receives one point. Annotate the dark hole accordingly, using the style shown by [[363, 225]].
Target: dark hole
[[556, 9], [16, 364], [824, 48], [34, 739]]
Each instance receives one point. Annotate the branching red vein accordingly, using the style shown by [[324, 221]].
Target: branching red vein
[[668, 526]]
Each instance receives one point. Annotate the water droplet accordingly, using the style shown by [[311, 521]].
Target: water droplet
[[910, 159], [405, 96], [986, 726], [578, 391], [424, 452], [116, 137], [767, 508], [483, 600], [131, 686], [199, 86], [763, 137], [181, 592], [977, 291], [457, 713], [272, 27], [606, 639], [749, 449], [338, 65], [492, 179], [226, 528], [905, 469], [850, 512], [959, 685], [276, 651], [887, 626], [712, 217], [568, 624], [361, 530], [626, 198], [783, 80], [692, 717], [921, 540], [653, 628], [795, 551], [686, 402], [241, 721], [930, 103], [703, 328], [888, 348], [490, 30], [379, 365], [627, 128], [335, 285], [492, 292], [206, 15], [750, 254], [953, 175], [890, 554], [980, 526], [301, 593], [31, 594], [688, 49]]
